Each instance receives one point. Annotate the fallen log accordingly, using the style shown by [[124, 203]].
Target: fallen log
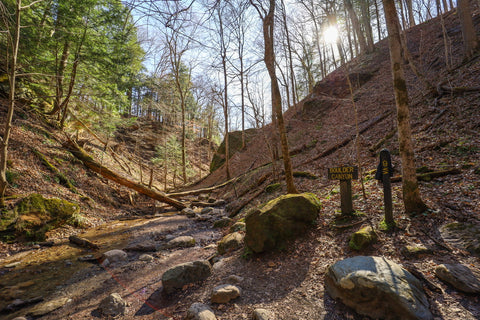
[[90, 163], [430, 175], [200, 191]]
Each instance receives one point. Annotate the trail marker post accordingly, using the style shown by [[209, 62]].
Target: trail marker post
[[384, 172], [345, 174]]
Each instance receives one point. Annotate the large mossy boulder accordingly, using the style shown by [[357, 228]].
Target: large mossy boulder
[[285, 217], [234, 145], [35, 215], [378, 288]]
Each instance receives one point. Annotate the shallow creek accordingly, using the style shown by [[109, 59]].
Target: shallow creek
[[41, 271]]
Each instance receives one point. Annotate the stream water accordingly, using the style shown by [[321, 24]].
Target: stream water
[[42, 271]]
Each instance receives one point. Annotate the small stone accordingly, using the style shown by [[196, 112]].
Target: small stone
[[199, 311], [113, 256], [113, 305], [145, 257], [459, 276], [262, 314], [415, 250], [68, 263], [234, 279], [207, 210], [223, 222], [181, 242], [188, 212], [224, 293], [232, 241], [19, 318]]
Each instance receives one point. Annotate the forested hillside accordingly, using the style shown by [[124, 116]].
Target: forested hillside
[[120, 199]]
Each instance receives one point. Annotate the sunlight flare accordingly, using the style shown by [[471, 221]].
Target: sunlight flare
[[330, 35]]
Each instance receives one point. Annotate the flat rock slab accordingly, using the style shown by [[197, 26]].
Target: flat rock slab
[[225, 292], [185, 273], [460, 277], [378, 288], [463, 236]]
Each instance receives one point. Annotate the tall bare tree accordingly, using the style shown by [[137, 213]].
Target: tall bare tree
[[13, 38], [268, 23], [411, 195], [470, 39]]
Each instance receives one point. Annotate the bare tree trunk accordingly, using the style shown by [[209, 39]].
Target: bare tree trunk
[[411, 194], [356, 26], [12, 76], [411, 19], [269, 58], [377, 17], [290, 59], [470, 39], [367, 24]]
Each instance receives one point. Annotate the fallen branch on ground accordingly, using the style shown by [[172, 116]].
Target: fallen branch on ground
[[430, 175]]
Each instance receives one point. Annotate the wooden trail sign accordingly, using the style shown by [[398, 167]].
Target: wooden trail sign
[[345, 174]]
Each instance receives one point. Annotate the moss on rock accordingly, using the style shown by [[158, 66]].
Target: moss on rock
[[280, 219], [35, 215], [273, 187], [362, 238]]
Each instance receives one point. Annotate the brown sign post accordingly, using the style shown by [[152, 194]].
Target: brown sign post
[[345, 174]]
